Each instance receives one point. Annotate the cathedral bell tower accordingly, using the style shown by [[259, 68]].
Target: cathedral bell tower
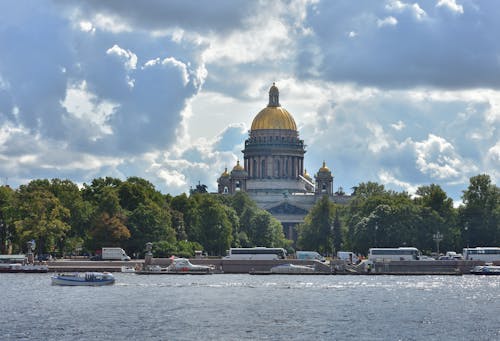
[[324, 181]]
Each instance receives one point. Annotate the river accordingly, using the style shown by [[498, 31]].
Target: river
[[246, 307]]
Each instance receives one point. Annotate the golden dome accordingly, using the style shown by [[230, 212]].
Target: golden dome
[[238, 167], [273, 116], [324, 168], [306, 175], [225, 174]]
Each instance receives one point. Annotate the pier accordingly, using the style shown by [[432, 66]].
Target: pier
[[445, 267]]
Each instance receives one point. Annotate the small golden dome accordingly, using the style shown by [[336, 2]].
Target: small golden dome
[[306, 175], [238, 167], [225, 174], [273, 116], [324, 168]]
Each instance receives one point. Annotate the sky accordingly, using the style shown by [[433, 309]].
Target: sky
[[405, 94]]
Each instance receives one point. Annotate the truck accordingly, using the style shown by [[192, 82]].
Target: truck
[[114, 253], [309, 255], [348, 256]]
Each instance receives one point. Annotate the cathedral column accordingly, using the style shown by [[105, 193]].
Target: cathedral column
[[282, 175]]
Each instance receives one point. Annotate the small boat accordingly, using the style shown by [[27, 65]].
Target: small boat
[[83, 278], [292, 269], [486, 270], [23, 268], [128, 269], [179, 266]]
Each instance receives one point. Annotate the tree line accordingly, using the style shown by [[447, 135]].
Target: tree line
[[377, 217], [64, 219]]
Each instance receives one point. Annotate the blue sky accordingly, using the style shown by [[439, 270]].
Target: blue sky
[[401, 93]]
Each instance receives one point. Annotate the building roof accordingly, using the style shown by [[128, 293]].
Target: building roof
[[274, 116]]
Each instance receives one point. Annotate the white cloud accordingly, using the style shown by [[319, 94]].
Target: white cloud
[[399, 7], [387, 21], [130, 58], [269, 40], [399, 125], [451, 5], [386, 177], [88, 108], [86, 26], [379, 140], [438, 158]]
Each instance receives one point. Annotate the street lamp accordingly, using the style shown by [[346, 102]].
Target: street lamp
[[437, 237], [466, 228]]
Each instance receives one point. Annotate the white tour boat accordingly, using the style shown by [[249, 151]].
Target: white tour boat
[[23, 268], [486, 270], [179, 266], [291, 269], [83, 278]]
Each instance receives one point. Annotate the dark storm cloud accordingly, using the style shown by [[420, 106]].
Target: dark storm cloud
[[214, 15], [427, 45], [31, 64]]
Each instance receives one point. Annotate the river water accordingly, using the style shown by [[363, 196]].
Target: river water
[[246, 307]]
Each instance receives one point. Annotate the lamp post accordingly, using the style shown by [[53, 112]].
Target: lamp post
[[466, 228], [437, 237]]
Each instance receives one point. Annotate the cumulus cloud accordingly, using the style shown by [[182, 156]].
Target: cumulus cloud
[[438, 158], [451, 5], [399, 92], [427, 47], [387, 21], [130, 59]]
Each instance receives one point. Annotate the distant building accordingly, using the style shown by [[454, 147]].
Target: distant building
[[273, 171]]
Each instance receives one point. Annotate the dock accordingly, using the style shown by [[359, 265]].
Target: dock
[[263, 267]]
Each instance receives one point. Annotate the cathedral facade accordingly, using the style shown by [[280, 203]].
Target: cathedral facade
[[273, 172]]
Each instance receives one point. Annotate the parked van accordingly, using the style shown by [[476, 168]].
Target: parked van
[[114, 253], [348, 256], [309, 255]]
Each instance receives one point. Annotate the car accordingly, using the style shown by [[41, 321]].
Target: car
[[43, 257], [96, 258]]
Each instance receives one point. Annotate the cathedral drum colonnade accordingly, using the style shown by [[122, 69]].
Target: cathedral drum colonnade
[[273, 172]]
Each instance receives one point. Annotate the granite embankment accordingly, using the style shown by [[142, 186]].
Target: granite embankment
[[247, 266]]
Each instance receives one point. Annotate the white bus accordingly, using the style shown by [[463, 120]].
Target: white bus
[[256, 253], [387, 254], [485, 254]]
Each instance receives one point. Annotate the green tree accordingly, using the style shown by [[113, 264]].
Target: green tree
[[149, 223], [436, 214], [336, 233], [188, 206], [108, 225], [81, 212], [40, 216], [216, 234], [480, 212], [316, 231], [7, 229]]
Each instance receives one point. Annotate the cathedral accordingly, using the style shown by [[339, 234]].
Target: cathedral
[[273, 172]]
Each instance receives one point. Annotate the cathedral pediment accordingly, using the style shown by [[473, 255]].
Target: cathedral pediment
[[287, 208]]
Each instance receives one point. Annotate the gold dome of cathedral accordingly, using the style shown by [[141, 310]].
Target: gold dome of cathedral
[[324, 168], [273, 116], [238, 167]]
